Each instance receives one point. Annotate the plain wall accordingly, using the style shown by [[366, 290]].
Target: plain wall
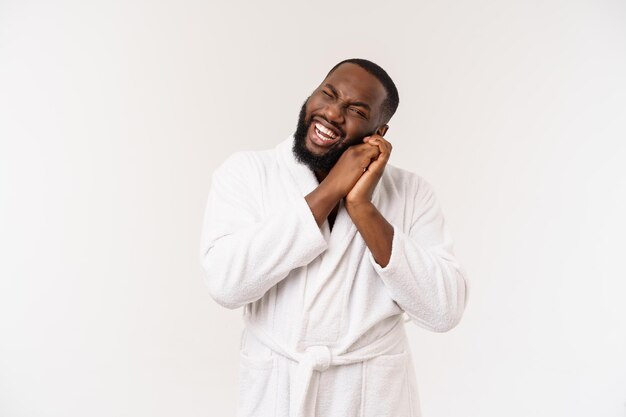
[[114, 114]]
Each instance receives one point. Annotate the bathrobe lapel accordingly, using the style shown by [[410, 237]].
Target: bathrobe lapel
[[324, 292]]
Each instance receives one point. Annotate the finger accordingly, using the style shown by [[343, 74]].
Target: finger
[[368, 139], [378, 138], [374, 151], [380, 162], [370, 157], [384, 145], [377, 143], [369, 151]]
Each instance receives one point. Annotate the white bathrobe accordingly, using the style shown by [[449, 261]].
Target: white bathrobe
[[324, 330]]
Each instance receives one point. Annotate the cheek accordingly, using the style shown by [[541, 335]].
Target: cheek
[[314, 106], [356, 129]]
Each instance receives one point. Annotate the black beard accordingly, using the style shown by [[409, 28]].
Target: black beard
[[317, 163]]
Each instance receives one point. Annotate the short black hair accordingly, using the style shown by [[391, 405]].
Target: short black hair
[[389, 106]]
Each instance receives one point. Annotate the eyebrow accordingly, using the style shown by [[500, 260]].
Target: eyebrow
[[354, 103]]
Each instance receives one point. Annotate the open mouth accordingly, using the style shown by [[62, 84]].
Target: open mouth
[[323, 135]]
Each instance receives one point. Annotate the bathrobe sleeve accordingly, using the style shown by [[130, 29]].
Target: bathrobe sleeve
[[423, 275], [244, 251]]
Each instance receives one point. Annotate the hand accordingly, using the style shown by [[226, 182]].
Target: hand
[[363, 189], [350, 167]]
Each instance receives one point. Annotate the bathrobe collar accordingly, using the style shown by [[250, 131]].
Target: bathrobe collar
[[322, 319]]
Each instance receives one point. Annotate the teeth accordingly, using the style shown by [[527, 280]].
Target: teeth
[[325, 131], [322, 136]]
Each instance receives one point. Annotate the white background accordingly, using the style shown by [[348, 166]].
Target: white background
[[114, 114]]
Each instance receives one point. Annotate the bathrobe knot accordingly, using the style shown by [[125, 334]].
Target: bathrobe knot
[[319, 356]]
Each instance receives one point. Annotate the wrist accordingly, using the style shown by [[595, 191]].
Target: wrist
[[330, 193], [353, 205]]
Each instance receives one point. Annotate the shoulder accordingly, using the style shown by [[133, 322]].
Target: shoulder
[[247, 159], [245, 164], [406, 182]]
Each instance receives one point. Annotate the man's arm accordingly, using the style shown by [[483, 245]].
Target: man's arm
[[244, 252], [375, 230], [322, 200], [418, 267], [373, 227]]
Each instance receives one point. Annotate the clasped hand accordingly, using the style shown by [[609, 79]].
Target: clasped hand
[[358, 170]]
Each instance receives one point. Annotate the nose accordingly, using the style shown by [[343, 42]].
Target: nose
[[334, 113]]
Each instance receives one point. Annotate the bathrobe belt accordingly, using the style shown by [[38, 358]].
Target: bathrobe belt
[[316, 359]]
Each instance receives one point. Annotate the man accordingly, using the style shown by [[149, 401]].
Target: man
[[326, 245]]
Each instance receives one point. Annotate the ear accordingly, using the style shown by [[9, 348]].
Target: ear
[[382, 130]]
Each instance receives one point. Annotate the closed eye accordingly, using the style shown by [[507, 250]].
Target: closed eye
[[357, 111]]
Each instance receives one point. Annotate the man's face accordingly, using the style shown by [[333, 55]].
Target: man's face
[[339, 113]]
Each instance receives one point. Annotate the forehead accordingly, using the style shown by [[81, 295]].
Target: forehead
[[357, 84]]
